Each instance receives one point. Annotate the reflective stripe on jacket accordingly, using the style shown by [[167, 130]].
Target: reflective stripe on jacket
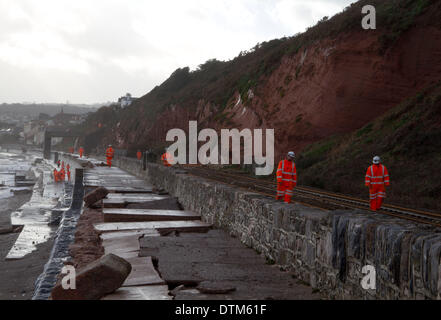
[[377, 174], [109, 152], [287, 172]]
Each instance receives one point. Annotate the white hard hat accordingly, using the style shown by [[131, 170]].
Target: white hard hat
[[291, 154], [376, 160]]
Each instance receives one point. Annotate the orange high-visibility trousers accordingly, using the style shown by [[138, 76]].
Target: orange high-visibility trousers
[[109, 162], [284, 192], [68, 175], [377, 194]]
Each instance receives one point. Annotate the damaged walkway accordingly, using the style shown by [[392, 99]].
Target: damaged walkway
[[174, 254]]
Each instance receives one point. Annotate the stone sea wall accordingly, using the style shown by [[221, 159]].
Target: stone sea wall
[[327, 249]]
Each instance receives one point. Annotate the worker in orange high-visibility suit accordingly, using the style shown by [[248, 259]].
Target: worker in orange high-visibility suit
[[68, 172], [377, 179], [109, 155], [62, 164], [139, 155], [55, 175], [166, 159], [81, 151], [286, 178], [62, 174]]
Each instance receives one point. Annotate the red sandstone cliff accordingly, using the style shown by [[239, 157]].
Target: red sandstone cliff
[[331, 85]]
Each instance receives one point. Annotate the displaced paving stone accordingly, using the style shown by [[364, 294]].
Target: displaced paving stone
[[129, 190], [162, 226], [122, 234], [122, 202], [120, 245], [143, 273], [97, 279], [132, 215], [165, 204], [96, 195]]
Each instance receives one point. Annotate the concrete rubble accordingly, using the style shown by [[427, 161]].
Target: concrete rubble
[[96, 280], [94, 196]]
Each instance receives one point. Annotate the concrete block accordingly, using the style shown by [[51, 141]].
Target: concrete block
[[96, 280], [95, 196]]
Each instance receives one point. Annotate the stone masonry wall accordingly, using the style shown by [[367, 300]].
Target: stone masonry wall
[[326, 249]]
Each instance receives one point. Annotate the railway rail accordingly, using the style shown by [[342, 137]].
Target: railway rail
[[311, 196]]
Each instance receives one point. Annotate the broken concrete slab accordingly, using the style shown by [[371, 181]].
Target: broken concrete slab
[[122, 245], [223, 263], [159, 292], [143, 273], [96, 280], [95, 196], [161, 226], [129, 190], [139, 197], [165, 204], [122, 234], [133, 215], [122, 202]]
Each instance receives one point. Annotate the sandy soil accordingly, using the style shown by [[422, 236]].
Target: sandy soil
[[87, 246]]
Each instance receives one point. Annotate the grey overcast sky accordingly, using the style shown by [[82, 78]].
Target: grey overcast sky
[[87, 51]]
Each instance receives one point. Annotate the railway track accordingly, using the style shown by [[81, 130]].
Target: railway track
[[312, 197]]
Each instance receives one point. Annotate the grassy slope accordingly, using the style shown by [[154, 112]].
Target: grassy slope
[[408, 138]]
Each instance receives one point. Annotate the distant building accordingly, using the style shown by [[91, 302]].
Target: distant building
[[66, 119], [126, 100], [33, 131]]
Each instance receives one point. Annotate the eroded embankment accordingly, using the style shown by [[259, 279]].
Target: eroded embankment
[[327, 249]]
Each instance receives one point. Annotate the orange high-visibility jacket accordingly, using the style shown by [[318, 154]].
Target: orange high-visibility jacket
[[62, 174], [377, 175], [109, 152], [139, 155], [166, 159], [287, 173]]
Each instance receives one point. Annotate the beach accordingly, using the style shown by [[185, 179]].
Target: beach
[[25, 238]]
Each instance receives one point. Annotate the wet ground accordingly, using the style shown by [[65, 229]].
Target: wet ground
[[25, 210]]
